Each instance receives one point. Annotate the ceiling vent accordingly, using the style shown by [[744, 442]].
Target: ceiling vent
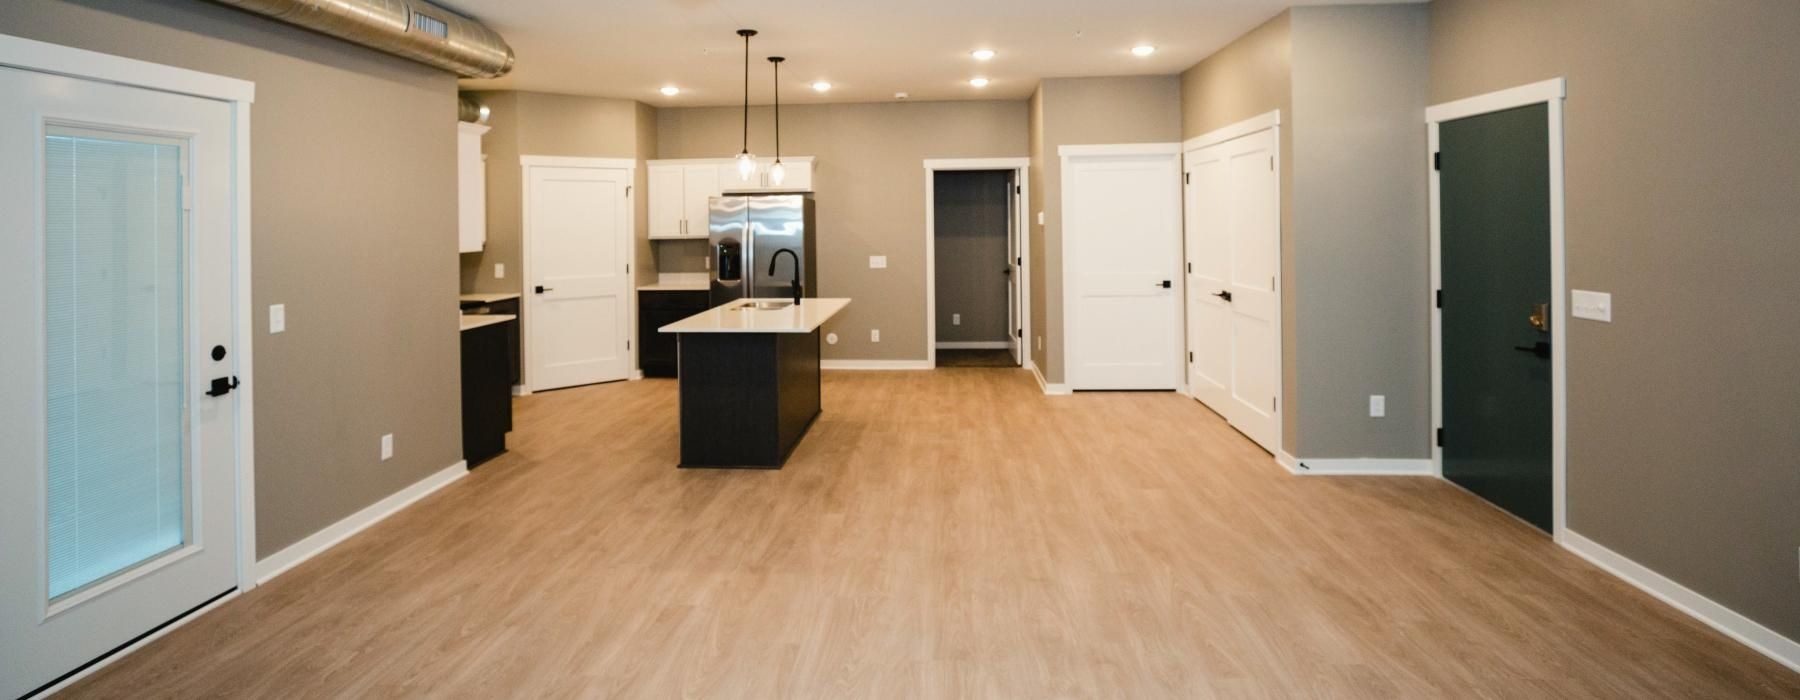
[[412, 29]]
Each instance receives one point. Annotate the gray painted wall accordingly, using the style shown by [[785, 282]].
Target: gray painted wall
[[354, 221], [869, 180], [1079, 111], [971, 254], [1680, 167], [1358, 254]]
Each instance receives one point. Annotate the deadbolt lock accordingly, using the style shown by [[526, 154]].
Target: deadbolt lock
[[1540, 317]]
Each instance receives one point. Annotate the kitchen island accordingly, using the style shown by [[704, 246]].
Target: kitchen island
[[749, 380]]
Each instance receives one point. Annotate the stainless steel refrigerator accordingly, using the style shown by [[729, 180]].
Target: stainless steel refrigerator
[[746, 231]]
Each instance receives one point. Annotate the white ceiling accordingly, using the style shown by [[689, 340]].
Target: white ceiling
[[868, 49]]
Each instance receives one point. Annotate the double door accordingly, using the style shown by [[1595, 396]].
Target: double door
[[118, 415], [1234, 302], [679, 196]]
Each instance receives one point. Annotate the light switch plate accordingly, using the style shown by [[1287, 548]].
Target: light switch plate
[[387, 447], [277, 318], [1377, 406], [878, 262], [874, 335], [1040, 218], [1593, 306], [499, 271]]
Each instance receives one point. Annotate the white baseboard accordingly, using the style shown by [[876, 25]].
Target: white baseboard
[[637, 374], [520, 390], [875, 364], [973, 345], [1287, 461], [1049, 389], [280, 562], [1751, 633], [1366, 467]]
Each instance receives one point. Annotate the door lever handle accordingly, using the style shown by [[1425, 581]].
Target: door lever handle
[[1540, 349], [222, 386], [1222, 294], [1165, 284], [540, 289]]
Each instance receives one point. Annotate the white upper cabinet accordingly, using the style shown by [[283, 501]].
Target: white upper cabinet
[[471, 188], [680, 190]]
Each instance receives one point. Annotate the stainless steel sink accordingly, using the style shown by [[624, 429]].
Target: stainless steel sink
[[764, 305]]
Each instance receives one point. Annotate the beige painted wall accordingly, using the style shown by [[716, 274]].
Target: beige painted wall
[[1357, 233], [354, 221], [1680, 200], [1253, 75], [543, 124], [1040, 282], [869, 181], [1081, 111]]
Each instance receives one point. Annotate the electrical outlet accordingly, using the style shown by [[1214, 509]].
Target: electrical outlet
[[499, 271], [878, 262], [831, 338], [1593, 306], [387, 447], [874, 335], [1377, 406], [277, 318], [955, 319]]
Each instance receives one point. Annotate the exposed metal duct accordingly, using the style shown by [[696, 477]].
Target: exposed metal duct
[[469, 110], [413, 29]]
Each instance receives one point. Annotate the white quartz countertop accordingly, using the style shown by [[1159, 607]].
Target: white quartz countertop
[[489, 297], [732, 318], [701, 286], [473, 321]]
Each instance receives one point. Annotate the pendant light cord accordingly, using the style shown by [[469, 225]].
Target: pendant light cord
[[777, 61], [746, 33]]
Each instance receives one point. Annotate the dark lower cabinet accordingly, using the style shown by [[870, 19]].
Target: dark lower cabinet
[[746, 398], [486, 390], [656, 351]]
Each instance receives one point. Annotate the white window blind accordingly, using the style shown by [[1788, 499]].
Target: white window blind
[[115, 287]]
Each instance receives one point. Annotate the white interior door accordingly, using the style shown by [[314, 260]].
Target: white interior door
[[1234, 306], [576, 232], [117, 473], [1122, 254]]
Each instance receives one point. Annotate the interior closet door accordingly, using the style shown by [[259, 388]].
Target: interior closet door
[[118, 491], [1122, 262], [576, 230], [1234, 298]]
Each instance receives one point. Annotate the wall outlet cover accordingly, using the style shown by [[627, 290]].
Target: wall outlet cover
[[387, 447], [955, 319], [831, 338], [1377, 406], [874, 335], [878, 262], [1593, 306], [499, 271], [277, 318]]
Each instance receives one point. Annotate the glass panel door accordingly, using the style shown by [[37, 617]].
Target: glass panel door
[[116, 417]]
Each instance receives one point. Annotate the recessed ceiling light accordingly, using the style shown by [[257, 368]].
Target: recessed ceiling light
[[978, 82], [671, 90], [982, 54], [821, 86], [1143, 50]]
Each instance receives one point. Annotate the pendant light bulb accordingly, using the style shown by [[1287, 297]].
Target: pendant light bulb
[[777, 173], [746, 165]]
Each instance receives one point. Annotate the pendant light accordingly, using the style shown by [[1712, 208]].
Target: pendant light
[[746, 163], [777, 172]]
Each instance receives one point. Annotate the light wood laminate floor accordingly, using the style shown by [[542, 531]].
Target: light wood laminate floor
[[938, 534]]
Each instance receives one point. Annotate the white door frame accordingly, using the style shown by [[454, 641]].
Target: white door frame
[[1551, 93], [1021, 282], [43, 57], [629, 165], [1267, 121], [1070, 319]]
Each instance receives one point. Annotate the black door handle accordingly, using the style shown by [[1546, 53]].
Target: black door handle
[[1165, 284], [1540, 348], [222, 386], [1006, 271], [1222, 294], [540, 289]]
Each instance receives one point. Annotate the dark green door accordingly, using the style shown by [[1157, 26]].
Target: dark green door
[[1494, 189]]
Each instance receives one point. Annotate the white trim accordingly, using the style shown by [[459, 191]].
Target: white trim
[[1260, 122], [874, 364], [1119, 149], [1021, 233], [117, 655], [720, 161], [576, 162], [1287, 461], [44, 57], [976, 163], [1549, 92], [1365, 467], [317, 543], [1727, 621], [974, 345], [526, 163], [245, 314], [1049, 389]]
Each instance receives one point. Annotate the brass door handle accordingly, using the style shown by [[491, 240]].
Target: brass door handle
[[1540, 317]]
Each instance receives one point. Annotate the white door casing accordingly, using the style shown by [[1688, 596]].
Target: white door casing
[[1234, 301], [42, 638], [577, 244]]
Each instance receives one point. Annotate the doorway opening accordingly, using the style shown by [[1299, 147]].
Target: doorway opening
[[1499, 388], [977, 312]]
